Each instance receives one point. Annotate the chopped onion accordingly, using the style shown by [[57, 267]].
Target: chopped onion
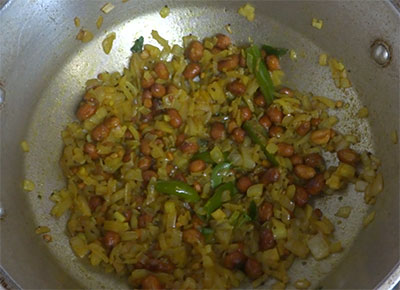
[[318, 246]]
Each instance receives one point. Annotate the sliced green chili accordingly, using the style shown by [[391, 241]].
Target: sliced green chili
[[205, 156], [257, 66], [278, 51], [218, 172], [178, 188], [252, 211], [244, 218], [138, 46], [215, 202], [208, 234], [257, 134]]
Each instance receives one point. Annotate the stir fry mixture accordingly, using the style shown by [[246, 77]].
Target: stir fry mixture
[[196, 168]]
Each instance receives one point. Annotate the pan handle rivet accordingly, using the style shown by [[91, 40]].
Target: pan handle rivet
[[2, 96], [2, 213], [380, 52]]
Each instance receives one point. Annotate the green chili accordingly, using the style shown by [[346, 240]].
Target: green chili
[[138, 46], [218, 172], [179, 189], [205, 156], [208, 234], [257, 66], [257, 134], [244, 218], [252, 211], [278, 51], [215, 202]]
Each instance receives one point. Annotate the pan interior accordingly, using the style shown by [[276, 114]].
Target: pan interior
[[59, 98]]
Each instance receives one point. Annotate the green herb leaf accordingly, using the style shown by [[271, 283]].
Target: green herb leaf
[[138, 46], [278, 51]]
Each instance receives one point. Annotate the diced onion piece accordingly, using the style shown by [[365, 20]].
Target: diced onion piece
[[164, 12], [368, 219], [394, 137], [108, 42], [323, 59], [318, 246], [272, 148], [218, 214], [119, 216], [77, 21], [28, 185], [344, 212], [293, 55], [363, 112], [247, 11], [335, 247], [42, 230], [99, 22], [302, 284], [255, 191], [79, 246], [345, 170], [25, 146], [84, 35], [228, 28], [107, 8], [278, 229], [361, 185], [317, 23]]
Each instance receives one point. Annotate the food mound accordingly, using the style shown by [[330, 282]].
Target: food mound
[[196, 168]]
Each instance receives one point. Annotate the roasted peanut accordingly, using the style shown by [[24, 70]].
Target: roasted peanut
[[270, 176], [296, 159], [223, 41], [195, 51], [265, 122], [235, 260], [243, 184], [237, 88], [144, 163], [100, 132], [316, 184], [91, 150], [265, 211], [175, 118], [320, 136], [238, 135], [276, 131], [348, 156], [197, 165], [230, 63], [303, 128], [217, 131], [85, 111], [161, 70], [285, 150], [304, 171], [189, 147], [253, 268], [111, 239], [158, 90], [246, 114], [192, 236], [314, 160], [192, 70], [275, 115], [300, 196], [266, 240], [272, 62]]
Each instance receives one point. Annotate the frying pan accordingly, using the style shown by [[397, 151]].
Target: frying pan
[[42, 74]]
